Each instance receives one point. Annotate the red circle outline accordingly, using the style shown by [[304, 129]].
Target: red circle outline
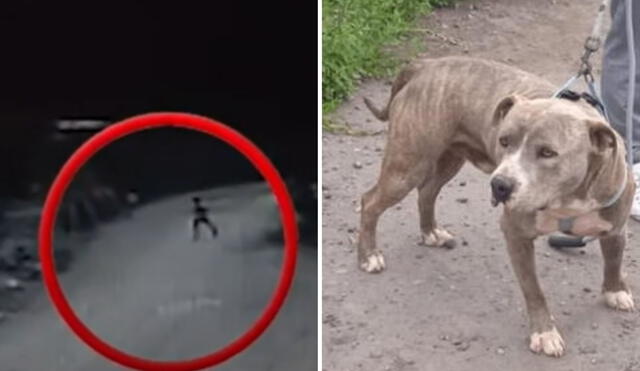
[[151, 121]]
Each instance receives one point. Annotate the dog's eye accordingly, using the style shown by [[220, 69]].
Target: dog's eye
[[547, 153], [504, 141]]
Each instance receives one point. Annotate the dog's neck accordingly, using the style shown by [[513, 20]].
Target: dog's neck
[[581, 217]]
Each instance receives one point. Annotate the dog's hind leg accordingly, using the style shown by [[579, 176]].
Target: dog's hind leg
[[401, 172], [447, 167]]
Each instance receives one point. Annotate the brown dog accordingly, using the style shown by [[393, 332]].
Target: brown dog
[[555, 164]]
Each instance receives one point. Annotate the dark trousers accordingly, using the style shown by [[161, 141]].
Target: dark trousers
[[196, 231]]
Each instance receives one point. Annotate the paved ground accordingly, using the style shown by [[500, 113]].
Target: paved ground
[[461, 309], [143, 286]]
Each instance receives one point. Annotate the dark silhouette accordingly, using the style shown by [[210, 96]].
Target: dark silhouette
[[201, 217]]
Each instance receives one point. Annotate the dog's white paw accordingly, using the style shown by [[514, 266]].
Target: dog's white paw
[[438, 237], [549, 342], [374, 263], [621, 300]]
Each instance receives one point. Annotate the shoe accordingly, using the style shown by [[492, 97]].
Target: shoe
[[635, 206], [560, 240]]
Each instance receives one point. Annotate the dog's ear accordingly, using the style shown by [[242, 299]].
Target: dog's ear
[[503, 108], [602, 135]]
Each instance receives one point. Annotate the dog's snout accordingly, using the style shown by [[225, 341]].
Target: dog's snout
[[501, 187]]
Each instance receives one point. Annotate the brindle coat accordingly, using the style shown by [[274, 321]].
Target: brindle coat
[[559, 159]]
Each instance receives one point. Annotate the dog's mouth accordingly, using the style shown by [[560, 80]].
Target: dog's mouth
[[508, 204], [494, 202]]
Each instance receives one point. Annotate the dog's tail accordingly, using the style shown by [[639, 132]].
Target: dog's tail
[[380, 114], [405, 75]]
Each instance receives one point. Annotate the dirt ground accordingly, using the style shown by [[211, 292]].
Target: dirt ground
[[461, 309]]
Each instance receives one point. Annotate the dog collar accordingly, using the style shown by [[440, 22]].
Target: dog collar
[[620, 191], [565, 225]]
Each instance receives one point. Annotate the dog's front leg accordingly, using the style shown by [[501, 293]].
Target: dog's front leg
[[616, 292], [544, 335]]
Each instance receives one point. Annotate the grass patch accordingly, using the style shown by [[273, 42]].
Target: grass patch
[[353, 35]]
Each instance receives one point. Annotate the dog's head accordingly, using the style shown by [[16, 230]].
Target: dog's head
[[548, 151]]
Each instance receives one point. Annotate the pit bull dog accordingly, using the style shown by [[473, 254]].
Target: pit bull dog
[[555, 165]]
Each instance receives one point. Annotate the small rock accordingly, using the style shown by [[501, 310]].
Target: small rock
[[587, 350], [594, 361], [419, 256], [462, 184], [13, 284], [463, 346], [586, 289], [418, 282], [462, 200], [351, 230], [594, 326], [566, 312], [375, 355], [357, 165], [546, 254], [500, 351]]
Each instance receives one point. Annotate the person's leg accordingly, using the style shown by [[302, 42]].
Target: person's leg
[[196, 233], [615, 81], [212, 227]]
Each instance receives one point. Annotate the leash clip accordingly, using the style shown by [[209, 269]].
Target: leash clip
[[592, 43]]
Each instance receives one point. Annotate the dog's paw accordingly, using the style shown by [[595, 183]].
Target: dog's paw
[[548, 342], [621, 300], [439, 237], [373, 263]]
